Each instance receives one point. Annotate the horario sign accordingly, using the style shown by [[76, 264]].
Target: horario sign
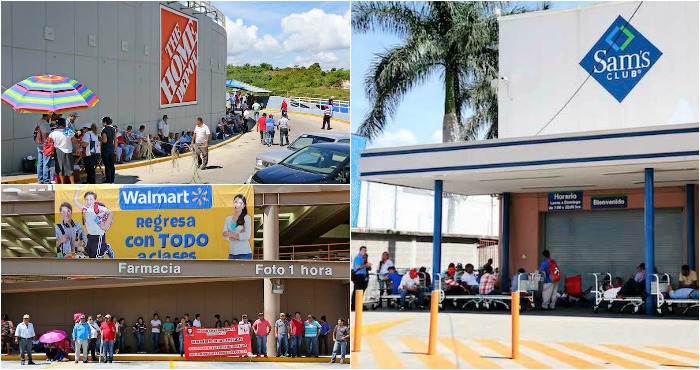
[[179, 53]]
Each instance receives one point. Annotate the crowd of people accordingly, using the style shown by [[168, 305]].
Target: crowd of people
[[459, 279], [64, 147], [104, 336]]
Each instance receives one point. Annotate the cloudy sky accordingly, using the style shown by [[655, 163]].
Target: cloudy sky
[[288, 33]]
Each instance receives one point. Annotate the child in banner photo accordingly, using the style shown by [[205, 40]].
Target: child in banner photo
[[70, 237], [237, 230], [97, 219]]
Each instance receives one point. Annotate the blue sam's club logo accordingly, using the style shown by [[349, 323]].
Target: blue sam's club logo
[[620, 59], [165, 197]]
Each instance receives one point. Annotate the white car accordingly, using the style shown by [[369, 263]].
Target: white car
[[272, 157]]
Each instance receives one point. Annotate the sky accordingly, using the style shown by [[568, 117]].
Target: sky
[[288, 33], [419, 116]]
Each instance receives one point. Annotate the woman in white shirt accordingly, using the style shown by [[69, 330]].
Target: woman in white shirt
[[237, 230]]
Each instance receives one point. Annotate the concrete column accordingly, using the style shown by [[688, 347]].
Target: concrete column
[[271, 243], [649, 241], [505, 241]]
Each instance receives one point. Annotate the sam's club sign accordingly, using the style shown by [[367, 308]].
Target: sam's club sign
[[165, 197], [620, 59]]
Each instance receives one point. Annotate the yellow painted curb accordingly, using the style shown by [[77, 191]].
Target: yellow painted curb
[[124, 166], [308, 114]]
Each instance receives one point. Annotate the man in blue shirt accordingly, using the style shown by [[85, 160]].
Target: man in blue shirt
[[360, 270], [81, 335], [395, 279], [270, 128], [549, 289]]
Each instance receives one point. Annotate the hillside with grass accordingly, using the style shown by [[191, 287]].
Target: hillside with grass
[[294, 81]]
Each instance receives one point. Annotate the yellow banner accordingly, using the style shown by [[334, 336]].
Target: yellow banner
[[155, 221]]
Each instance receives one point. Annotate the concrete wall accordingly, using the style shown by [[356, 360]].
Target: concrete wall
[[542, 76], [54, 310], [127, 82], [526, 229], [408, 209]]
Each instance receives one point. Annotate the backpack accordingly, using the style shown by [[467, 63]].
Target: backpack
[[37, 135], [554, 272], [49, 148], [96, 208]]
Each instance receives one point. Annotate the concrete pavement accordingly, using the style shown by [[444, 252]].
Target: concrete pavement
[[233, 163], [482, 340]]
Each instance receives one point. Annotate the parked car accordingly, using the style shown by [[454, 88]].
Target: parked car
[[272, 157], [325, 163]]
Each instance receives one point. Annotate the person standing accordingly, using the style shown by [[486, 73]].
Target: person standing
[[24, 336], [201, 143], [7, 329], [285, 128], [108, 332], [244, 327], [323, 338], [297, 326], [163, 128], [180, 330], [108, 138], [261, 327], [282, 335], [91, 145], [65, 145], [551, 281], [284, 108], [260, 123], [197, 322], [359, 273], [168, 329], [121, 331], [139, 331], [327, 114], [155, 332], [312, 329], [81, 337], [256, 110], [70, 123], [41, 133], [341, 333], [218, 323], [270, 128]]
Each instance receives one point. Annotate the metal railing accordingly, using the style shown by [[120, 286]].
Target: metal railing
[[209, 10], [314, 252]]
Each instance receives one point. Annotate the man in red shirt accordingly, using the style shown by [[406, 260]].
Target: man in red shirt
[[262, 328], [297, 326], [284, 108], [260, 126], [108, 331]]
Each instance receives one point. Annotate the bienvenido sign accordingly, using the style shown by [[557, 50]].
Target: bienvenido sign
[[178, 58]]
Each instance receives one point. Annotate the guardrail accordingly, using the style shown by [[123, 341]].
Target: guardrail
[[340, 106], [314, 252], [209, 10]]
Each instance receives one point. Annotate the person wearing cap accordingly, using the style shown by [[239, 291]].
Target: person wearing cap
[[410, 284], [261, 327], [282, 334], [244, 327], [91, 150], [81, 337], [70, 123], [24, 335], [312, 329], [270, 125], [163, 128], [108, 332]]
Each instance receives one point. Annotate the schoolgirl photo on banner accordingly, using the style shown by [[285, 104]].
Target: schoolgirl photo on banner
[[154, 222]]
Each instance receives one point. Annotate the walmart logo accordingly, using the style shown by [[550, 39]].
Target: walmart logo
[[620, 58], [165, 197]]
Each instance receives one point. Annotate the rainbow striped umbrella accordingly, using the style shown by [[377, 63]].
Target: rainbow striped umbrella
[[49, 93]]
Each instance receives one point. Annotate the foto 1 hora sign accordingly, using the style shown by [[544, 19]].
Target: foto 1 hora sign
[[292, 271]]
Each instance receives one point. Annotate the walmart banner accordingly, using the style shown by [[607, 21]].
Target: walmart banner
[[155, 222]]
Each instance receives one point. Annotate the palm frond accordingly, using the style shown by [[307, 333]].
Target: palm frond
[[394, 17]]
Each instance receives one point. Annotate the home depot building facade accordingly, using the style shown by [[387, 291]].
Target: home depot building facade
[[313, 278], [606, 180]]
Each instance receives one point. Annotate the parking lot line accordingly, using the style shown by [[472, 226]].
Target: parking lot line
[[420, 347], [608, 357], [563, 357], [504, 351], [469, 355]]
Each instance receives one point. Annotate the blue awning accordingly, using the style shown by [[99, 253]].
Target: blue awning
[[235, 84]]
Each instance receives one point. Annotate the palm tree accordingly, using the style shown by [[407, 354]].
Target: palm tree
[[457, 40]]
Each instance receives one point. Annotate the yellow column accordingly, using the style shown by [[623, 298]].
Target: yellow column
[[515, 325], [357, 325], [434, 309]]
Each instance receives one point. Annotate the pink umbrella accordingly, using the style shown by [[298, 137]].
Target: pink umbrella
[[53, 336]]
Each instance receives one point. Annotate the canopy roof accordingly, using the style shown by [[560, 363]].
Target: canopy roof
[[235, 84]]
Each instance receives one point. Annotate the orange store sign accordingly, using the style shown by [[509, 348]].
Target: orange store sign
[[179, 53]]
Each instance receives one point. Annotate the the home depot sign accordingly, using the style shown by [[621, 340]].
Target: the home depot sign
[[178, 58]]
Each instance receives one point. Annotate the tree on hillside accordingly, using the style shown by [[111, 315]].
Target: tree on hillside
[[457, 40]]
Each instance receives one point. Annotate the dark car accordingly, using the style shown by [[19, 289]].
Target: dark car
[[326, 163]]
